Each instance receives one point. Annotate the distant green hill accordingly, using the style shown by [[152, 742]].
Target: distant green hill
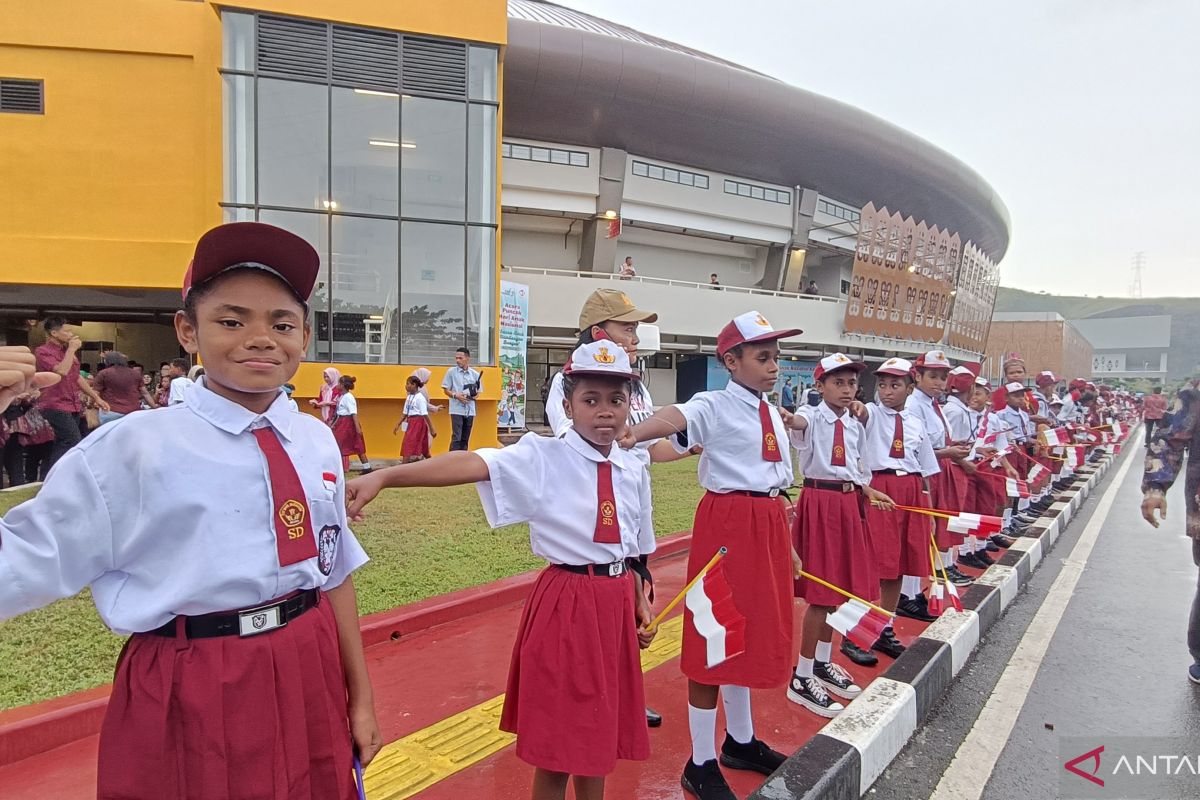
[[1184, 357]]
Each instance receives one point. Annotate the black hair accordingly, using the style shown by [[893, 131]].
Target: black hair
[[414, 379], [135, 364], [51, 324], [200, 291], [466, 351], [1158, 390], [114, 359], [85, 367], [735, 351], [571, 383], [348, 381], [181, 364]]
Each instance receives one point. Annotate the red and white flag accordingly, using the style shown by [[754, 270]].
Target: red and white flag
[[716, 617], [974, 524], [858, 622], [1116, 429], [1015, 488], [1035, 472], [937, 599], [1055, 437], [952, 597], [1075, 456]]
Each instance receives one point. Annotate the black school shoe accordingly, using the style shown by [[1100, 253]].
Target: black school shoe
[[653, 718], [810, 693], [705, 781], [983, 558], [754, 755], [914, 608], [1002, 541], [856, 654], [971, 560], [888, 644], [992, 547], [958, 578]]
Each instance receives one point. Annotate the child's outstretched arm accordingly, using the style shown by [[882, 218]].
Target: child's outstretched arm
[[451, 469], [665, 422]]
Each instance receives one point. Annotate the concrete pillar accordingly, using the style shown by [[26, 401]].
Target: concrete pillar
[[598, 253], [789, 268]]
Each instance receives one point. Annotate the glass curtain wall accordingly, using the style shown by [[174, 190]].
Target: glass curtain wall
[[380, 149]]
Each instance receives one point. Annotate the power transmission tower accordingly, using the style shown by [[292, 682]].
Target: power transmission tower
[[1139, 263]]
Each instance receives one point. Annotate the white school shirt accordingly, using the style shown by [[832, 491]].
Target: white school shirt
[[877, 444], [170, 513], [293, 405], [958, 417], [415, 406], [727, 424], [179, 387], [921, 405], [641, 407], [1018, 420], [994, 423], [551, 484], [815, 445], [346, 405]]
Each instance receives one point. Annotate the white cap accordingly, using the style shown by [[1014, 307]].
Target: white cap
[[895, 366], [599, 358], [961, 370], [1015, 386], [750, 327], [934, 359], [835, 362]]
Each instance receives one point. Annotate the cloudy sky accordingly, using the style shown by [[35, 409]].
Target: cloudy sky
[[1083, 114]]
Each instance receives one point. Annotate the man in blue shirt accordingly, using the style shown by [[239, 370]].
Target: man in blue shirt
[[461, 385], [787, 396]]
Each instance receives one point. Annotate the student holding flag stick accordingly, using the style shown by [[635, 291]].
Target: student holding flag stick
[[991, 462], [971, 552], [575, 695], [745, 469]]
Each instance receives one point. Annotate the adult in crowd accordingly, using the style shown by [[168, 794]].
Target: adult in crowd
[[1154, 406], [1178, 435], [812, 288], [162, 389], [627, 272], [713, 282], [462, 385], [179, 380], [787, 396], [119, 385], [327, 398], [61, 404], [545, 393], [29, 440], [813, 398]]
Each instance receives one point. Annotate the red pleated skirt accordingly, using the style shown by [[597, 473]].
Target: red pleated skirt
[[227, 718], [900, 539], [948, 492], [758, 567], [350, 441], [575, 697], [831, 539], [990, 495], [416, 438]]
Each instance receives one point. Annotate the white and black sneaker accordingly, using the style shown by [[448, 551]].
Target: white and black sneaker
[[836, 680], [810, 693]]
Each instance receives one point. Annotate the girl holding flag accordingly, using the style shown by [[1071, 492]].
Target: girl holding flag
[[971, 552], [745, 469], [575, 696]]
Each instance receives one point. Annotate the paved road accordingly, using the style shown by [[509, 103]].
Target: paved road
[[1115, 665]]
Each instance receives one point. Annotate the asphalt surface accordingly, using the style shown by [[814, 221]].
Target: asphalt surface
[[1116, 665]]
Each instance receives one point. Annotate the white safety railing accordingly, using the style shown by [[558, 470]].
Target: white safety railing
[[612, 276]]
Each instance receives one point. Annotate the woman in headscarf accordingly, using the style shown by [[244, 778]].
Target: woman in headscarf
[[327, 398]]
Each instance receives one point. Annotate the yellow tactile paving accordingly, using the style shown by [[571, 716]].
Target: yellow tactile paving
[[419, 760]]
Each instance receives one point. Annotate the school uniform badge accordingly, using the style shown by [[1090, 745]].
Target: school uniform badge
[[329, 480], [327, 541]]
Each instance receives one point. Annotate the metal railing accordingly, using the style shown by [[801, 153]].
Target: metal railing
[[612, 276]]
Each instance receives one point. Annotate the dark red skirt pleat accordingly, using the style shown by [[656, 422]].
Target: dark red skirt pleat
[[900, 539], [832, 542], [416, 438]]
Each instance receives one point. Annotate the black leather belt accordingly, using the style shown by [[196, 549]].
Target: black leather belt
[[845, 487], [613, 570], [899, 473], [772, 493], [246, 622]]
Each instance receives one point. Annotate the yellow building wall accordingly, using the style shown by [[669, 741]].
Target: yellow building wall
[[113, 185]]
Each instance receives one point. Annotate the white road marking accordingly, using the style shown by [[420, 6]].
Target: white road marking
[[976, 757]]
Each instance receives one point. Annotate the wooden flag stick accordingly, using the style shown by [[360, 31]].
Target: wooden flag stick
[[844, 593], [683, 592], [929, 512]]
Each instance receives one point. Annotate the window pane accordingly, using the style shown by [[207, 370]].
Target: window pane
[[639, 168], [314, 229], [506, 150], [520, 151], [581, 160], [687, 178], [702, 181], [293, 144], [559, 156], [482, 73], [671, 175], [434, 180], [541, 154], [237, 214], [756, 192], [237, 48], [365, 290], [656, 172], [432, 288], [481, 292], [239, 138], [731, 187], [366, 151], [481, 186]]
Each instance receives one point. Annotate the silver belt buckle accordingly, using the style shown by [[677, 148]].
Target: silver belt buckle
[[774, 493], [901, 473], [254, 621], [616, 568]]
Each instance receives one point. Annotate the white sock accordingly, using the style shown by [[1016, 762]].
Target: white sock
[[948, 558], [738, 722], [702, 722], [824, 652], [1023, 505], [964, 549], [804, 667], [910, 586], [1007, 516]]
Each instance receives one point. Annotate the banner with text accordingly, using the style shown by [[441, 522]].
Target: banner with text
[[974, 299], [514, 336]]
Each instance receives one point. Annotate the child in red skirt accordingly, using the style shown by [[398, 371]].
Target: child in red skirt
[[971, 551], [829, 534], [415, 423], [744, 467], [575, 696], [899, 455], [347, 430], [244, 676], [988, 495]]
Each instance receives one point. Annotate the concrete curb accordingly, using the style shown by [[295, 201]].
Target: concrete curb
[[852, 751]]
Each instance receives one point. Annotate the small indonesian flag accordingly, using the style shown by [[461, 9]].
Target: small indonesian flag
[[1015, 488], [937, 599], [974, 524], [1035, 472], [1075, 456], [952, 597], [858, 622], [1116, 429], [716, 617], [1055, 437]]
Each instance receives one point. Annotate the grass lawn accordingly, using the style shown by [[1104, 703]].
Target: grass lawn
[[422, 542]]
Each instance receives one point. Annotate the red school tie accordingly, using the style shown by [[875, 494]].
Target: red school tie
[[770, 445], [838, 457], [897, 450], [608, 529], [294, 539]]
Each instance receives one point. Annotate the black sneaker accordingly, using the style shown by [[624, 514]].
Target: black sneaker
[[1194, 673], [857, 654], [836, 680], [810, 693], [983, 558], [653, 718], [971, 560], [705, 781], [992, 547], [1002, 541], [958, 578], [914, 608], [754, 755], [888, 644], [1026, 519]]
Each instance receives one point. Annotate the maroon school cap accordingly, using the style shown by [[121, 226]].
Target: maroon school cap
[[254, 245]]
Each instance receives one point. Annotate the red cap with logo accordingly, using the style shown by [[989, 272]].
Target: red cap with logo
[[836, 362], [749, 328], [254, 245]]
